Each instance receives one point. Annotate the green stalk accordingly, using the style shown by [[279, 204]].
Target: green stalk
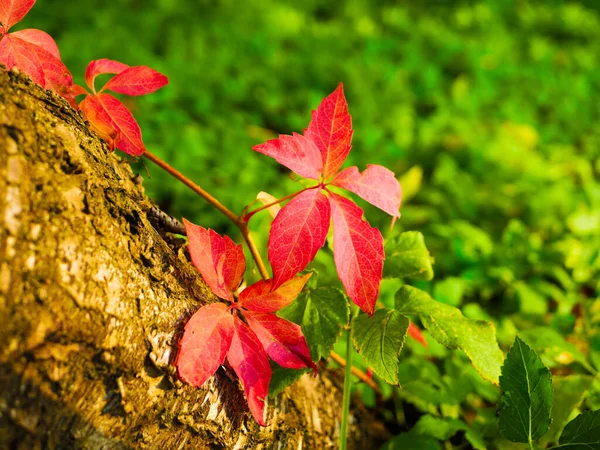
[[347, 389]]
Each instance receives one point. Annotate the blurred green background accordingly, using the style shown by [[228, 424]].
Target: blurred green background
[[487, 110]]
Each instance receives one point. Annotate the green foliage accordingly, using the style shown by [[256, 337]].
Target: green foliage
[[407, 256], [527, 395], [322, 313], [449, 327], [569, 391], [379, 340], [582, 433], [282, 378], [440, 429]]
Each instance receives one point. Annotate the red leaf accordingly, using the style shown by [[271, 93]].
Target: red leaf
[[331, 129], [259, 297], [102, 66], [376, 184], [12, 11], [15, 52], [283, 340], [39, 38], [295, 152], [218, 259], [100, 120], [358, 252], [137, 80], [415, 333], [206, 340], [35, 53], [57, 76], [251, 364], [297, 233], [79, 90], [114, 123]]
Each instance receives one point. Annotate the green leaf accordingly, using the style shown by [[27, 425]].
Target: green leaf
[[477, 338], [527, 395], [407, 256], [379, 339], [322, 313], [411, 441], [281, 378], [553, 348], [450, 291], [569, 392], [582, 433], [440, 429]]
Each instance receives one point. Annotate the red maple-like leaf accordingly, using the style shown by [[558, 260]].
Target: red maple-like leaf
[[357, 251], [298, 232], [33, 51], [101, 67], [138, 80], [39, 38], [246, 345], [331, 129], [261, 297], [376, 184], [205, 343], [13, 11], [218, 259], [296, 152], [282, 340], [250, 362], [114, 123], [109, 118], [300, 228]]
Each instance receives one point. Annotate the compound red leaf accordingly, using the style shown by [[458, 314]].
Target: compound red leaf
[[114, 123], [15, 52], [261, 298], [297, 233], [358, 252], [102, 66], [206, 340], [12, 11], [218, 259], [137, 80], [295, 152], [376, 184], [283, 340], [331, 130], [39, 38], [250, 362], [415, 333]]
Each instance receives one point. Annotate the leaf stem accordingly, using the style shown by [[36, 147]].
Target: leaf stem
[[356, 372], [239, 222], [347, 390], [243, 226], [193, 186], [248, 215]]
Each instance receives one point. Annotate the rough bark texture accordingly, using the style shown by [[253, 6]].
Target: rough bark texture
[[92, 299]]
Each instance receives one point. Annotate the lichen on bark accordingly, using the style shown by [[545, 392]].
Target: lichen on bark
[[92, 300]]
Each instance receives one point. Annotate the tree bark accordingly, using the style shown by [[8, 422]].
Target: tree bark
[[92, 301]]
